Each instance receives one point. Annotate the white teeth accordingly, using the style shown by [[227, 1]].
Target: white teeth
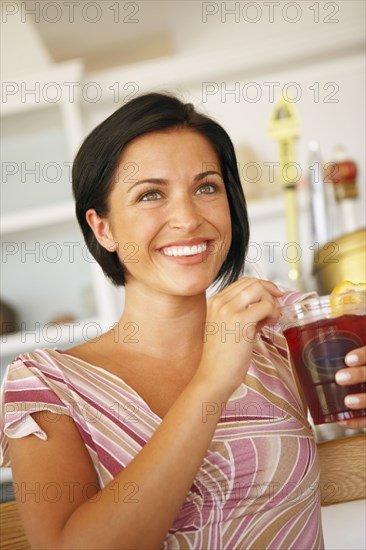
[[184, 250]]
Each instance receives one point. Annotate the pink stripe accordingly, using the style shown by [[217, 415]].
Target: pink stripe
[[111, 464], [32, 396]]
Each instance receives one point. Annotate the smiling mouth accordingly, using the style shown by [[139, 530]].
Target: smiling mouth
[[185, 250]]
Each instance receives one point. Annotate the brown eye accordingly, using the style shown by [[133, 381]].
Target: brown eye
[[150, 196], [207, 189]]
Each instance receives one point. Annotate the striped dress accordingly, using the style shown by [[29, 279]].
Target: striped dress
[[258, 485]]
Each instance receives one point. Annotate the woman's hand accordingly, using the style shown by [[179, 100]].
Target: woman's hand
[[355, 373], [234, 317]]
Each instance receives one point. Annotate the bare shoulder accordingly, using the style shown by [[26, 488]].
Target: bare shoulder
[[51, 478], [96, 350], [103, 352], [84, 351], [92, 351]]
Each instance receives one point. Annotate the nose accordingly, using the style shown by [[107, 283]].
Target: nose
[[184, 214]]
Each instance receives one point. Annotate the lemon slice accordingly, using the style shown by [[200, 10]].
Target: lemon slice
[[337, 303], [348, 286]]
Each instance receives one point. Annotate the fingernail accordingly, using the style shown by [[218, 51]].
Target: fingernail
[[351, 359], [351, 400], [343, 377]]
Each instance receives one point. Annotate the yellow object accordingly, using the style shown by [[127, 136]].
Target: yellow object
[[348, 286], [284, 128], [341, 259]]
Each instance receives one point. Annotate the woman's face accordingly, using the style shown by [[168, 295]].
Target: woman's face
[[169, 213]]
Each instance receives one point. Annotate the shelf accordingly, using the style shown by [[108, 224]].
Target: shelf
[[68, 334], [43, 89], [38, 217], [209, 67]]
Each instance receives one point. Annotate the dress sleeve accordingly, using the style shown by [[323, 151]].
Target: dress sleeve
[[24, 391]]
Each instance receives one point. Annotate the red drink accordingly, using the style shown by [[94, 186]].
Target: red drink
[[318, 349]]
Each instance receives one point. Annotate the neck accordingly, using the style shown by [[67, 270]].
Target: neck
[[162, 326]]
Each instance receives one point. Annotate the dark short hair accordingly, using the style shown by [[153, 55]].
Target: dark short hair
[[97, 161]]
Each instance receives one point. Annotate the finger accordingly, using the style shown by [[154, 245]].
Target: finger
[[240, 301], [351, 375], [254, 291], [256, 294], [256, 313], [355, 401], [353, 423], [356, 357], [273, 289], [241, 284]]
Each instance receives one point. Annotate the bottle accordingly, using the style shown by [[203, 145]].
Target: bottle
[[342, 173], [318, 199]]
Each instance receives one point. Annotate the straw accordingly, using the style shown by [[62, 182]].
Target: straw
[[262, 275], [259, 271]]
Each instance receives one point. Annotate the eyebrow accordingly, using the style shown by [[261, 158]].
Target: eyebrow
[[162, 181]]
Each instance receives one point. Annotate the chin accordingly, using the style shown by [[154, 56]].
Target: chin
[[191, 288], [189, 293]]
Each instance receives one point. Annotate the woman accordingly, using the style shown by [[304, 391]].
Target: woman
[[148, 437]]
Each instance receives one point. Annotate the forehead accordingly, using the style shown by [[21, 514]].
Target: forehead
[[170, 147]]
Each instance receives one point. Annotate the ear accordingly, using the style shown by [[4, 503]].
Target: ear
[[101, 230]]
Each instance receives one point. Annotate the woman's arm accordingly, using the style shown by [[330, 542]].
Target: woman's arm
[[57, 489], [355, 373], [55, 481]]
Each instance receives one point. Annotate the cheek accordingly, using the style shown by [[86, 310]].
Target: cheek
[[224, 218], [220, 219], [136, 233]]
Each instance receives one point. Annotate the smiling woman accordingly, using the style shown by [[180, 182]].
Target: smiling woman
[[189, 431], [174, 207], [118, 158]]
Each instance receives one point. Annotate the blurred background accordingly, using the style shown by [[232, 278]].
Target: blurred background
[[67, 65]]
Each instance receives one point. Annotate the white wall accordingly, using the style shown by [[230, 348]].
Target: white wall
[[22, 49]]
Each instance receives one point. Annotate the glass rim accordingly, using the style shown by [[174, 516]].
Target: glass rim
[[332, 304], [326, 298]]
